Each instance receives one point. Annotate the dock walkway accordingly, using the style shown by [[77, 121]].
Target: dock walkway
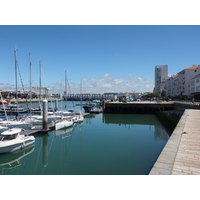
[[181, 154]]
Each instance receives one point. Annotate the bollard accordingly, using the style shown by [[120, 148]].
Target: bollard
[[45, 113]]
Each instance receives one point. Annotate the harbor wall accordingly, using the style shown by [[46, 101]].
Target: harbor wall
[[137, 107], [170, 118]]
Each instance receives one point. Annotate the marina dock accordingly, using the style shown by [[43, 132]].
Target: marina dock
[[39, 129], [181, 154]]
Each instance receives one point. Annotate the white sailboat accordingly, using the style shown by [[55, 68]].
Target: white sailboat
[[13, 123], [18, 123], [14, 139], [78, 118], [63, 124]]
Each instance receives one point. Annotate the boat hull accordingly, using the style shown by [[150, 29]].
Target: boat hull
[[78, 118], [9, 146], [63, 124], [16, 124]]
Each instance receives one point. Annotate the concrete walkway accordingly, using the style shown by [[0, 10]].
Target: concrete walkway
[[181, 155]]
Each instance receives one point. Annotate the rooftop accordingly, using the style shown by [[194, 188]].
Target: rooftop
[[193, 67]]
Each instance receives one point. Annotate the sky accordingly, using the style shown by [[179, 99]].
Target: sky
[[104, 58]]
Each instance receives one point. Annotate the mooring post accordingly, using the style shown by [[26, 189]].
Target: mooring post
[[45, 113], [56, 104]]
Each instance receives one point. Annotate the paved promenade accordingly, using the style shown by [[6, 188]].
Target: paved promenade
[[181, 155]]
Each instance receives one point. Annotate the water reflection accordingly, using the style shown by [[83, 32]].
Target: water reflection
[[64, 131], [45, 150], [122, 144], [12, 160], [129, 120]]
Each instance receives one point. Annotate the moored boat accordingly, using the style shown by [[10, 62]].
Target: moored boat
[[63, 124], [13, 109], [14, 139], [78, 118], [4, 102], [3, 128], [16, 124]]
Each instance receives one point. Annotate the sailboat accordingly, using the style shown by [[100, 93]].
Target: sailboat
[[63, 124], [13, 123], [18, 123], [78, 118]]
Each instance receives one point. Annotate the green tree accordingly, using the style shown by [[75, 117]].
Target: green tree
[[163, 93]]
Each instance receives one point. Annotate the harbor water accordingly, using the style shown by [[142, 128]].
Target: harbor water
[[103, 144]]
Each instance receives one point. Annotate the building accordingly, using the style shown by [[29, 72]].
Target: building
[[194, 87], [161, 75], [179, 85]]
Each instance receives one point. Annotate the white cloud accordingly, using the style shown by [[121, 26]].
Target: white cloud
[[140, 79], [105, 83], [106, 75]]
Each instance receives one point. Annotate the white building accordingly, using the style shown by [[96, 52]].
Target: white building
[[161, 75], [178, 85], [194, 87]]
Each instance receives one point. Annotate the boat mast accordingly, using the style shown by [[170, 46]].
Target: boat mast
[[40, 86], [40, 79], [30, 80], [81, 95], [4, 106], [66, 89], [15, 55]]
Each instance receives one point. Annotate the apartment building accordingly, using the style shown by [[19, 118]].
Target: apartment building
[[161, 75], [179, 85], [194, 87]]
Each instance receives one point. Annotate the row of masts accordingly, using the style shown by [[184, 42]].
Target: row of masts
[[16, 78], [40, 88]]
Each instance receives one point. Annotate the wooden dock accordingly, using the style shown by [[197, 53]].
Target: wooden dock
[[39, 129], [181, 154]]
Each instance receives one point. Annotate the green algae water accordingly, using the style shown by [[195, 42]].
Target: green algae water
[[104, 144]]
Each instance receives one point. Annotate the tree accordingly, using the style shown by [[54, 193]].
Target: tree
[[163, 93]]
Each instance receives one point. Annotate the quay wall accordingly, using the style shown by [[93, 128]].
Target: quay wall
[[147, 107], [170, 118], [181, 105], [165, 162], [144, 107]]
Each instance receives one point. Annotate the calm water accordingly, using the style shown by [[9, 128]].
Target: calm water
[[104, 144]]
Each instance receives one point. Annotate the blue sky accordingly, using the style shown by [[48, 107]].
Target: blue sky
[[106, 58]]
